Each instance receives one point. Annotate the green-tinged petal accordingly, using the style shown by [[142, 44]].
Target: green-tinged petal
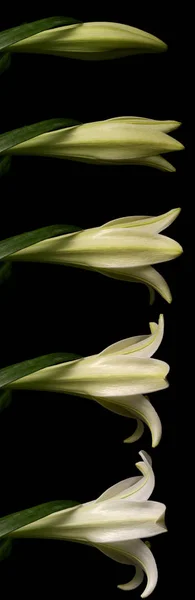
[[136, 407], [134, 489], [140, 346], [118, 488], [157, 162], [147, 225], [137, 434], [134, 553], [92, 41], [19, 33], [100, 142], [146, 275], [165, 126], [116, 376], [111, 248]]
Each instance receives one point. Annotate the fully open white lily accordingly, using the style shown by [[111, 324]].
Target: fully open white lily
[[123, 249], [122, 140], [114, 523], [116, 378], [91, 41]]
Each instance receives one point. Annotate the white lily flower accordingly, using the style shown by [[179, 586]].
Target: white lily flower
[[116, 378], [114, 523], [123, 249], [122, 140], [91, 41]]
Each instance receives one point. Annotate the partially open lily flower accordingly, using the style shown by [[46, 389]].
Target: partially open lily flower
[[91, 41], [121, 140], [114, 523], [116, 378], [122, 249]]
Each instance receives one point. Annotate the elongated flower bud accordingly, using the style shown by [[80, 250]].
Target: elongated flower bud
[[114, 523], [123, 140], [123, 249], [91, 41], [116, 378]]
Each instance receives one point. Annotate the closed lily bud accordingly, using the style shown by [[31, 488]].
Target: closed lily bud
[[114, 523], [91, 41], [121, 140], [123, 249], [116, 378]]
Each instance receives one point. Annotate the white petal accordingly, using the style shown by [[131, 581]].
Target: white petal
[[138, 554], [136, 407], [137, 434], [152, 225], [115, 520], [146, 275], [156, 162], [101, 142], [165, 126], [140, 346], [118, 488], [135, 489]]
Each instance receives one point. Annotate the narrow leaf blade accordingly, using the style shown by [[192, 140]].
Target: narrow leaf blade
[[18, 370], [17, 136], [21, 32], [5, 399], [5, 163], [23, 240], [12, 522], [5, 61]]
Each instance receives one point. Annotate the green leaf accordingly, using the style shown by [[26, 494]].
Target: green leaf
[[11, 36], [5, 548], [18, 242], [5, 164], [5, 399], [5, 272], [5, 61], [19, 519], [17, 136], [14, 372]]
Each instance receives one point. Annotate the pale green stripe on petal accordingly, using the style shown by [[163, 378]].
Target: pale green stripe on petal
[[149, 225], [140, 346], [118, 488], [165, 126], [98, 40]]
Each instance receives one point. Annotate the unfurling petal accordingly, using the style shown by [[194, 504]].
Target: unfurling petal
[[136, 407], [134, 489], [165, 126], [137, 434], [145, 224], [138, 554], [139, 346], [146, 275]]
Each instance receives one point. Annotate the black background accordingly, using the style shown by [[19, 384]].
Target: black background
[[55, 447]]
